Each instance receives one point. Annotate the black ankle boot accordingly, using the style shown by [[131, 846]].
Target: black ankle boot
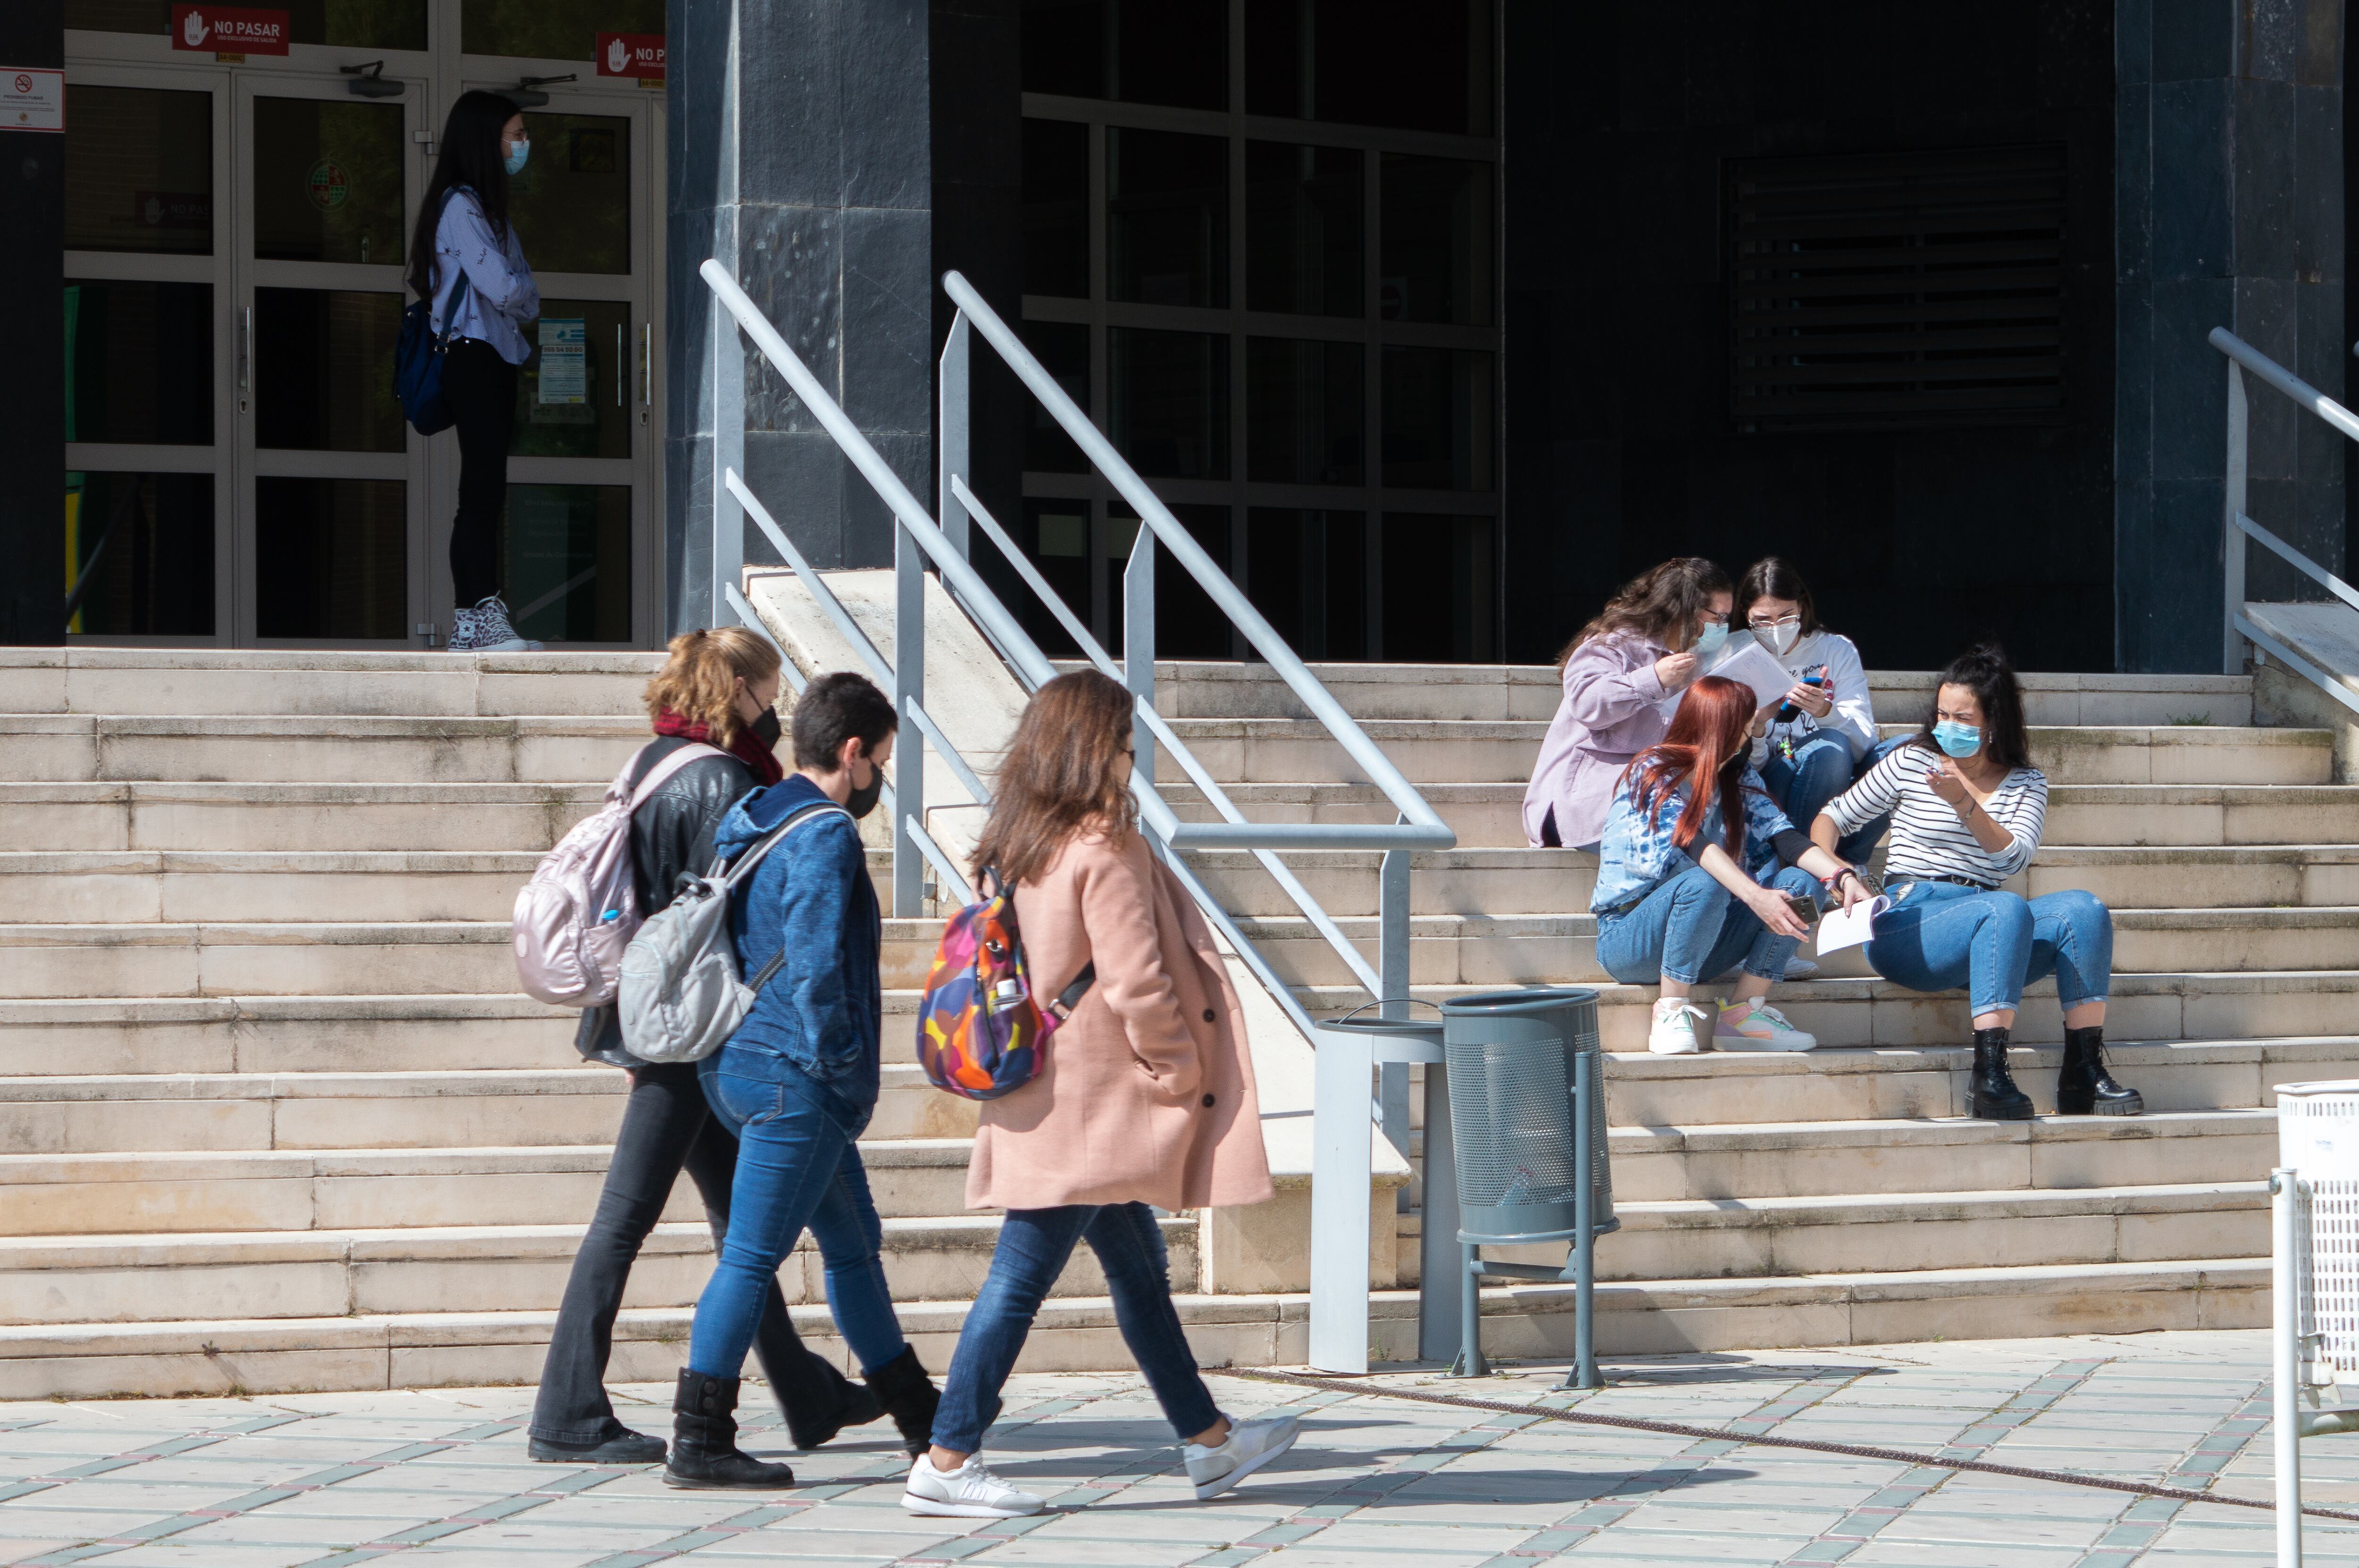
[[909, 1397], [1996, 1097], [704, 1452], [821, 1401], [2084, 1087]]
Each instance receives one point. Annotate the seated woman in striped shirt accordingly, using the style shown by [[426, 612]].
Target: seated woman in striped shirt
[[1967, 807]]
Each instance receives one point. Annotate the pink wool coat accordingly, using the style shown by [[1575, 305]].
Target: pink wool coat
[[1148, 1092]]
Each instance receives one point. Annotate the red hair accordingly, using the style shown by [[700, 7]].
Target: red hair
[[1707, 740]]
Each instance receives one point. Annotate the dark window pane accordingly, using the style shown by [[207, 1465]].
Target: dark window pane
[[139, 170], [323, 371], [572, 205], [1173, 51], [1061, 534], [140, 548], [327, 180], [1438, 243], [359, 24], [139, 361], [1302, 229], [551, 29], [1306, 571], [1188, 624], [1170, 402], [1419, 65], [573, 396], [1440, 589], [1305, 411], [331, 557], [1436, 418], [1166, 218], [1064, 48], [1056, 208], [1063, 349], [566, 549]]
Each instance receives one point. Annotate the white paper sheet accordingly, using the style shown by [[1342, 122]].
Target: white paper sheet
[[1839, 929], [1752, 664]]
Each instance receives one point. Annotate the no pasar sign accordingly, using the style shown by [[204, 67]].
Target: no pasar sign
[[631, 54], [229, 29]]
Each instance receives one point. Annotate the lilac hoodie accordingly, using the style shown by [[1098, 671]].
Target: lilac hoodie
[[1613, 709]]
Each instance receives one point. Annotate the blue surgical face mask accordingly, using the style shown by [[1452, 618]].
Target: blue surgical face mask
[[517, 153], [1958, 739], [1709, 639]]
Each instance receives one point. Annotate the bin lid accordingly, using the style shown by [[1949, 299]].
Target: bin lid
[[2325, 1086], [1365, 1019], [1533, 999]]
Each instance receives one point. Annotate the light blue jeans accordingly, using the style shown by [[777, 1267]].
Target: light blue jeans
[[1820, 769], [1692, 928], [1940, 936]]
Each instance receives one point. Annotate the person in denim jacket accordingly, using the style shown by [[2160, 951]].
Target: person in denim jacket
[[1683, 892]]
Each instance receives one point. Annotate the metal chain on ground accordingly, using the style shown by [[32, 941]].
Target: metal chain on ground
[[1719, 1434]]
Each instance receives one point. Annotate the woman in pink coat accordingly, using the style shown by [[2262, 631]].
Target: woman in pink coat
[[1623, 674], [1146, 1100]]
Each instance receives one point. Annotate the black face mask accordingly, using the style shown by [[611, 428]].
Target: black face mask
[[765, 729], [863, 800]]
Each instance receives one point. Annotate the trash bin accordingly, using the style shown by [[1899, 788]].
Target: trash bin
[[2318, 1140], [1520, 1064]]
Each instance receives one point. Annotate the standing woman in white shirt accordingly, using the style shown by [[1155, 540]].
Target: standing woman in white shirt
[[465, 258]]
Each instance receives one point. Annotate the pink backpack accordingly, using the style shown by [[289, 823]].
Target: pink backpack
[[581, 909]]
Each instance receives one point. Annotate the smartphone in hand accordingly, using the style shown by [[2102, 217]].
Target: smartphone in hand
[[1815, 675], [1805, 910]]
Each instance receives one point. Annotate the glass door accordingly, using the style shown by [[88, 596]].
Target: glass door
[[332, 486]]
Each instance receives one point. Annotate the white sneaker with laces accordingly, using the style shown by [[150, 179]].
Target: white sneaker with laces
[[1675, 1031], [1755, 1025], [486, 630], [1251, 1445], [1800, 968], [971, 1492]]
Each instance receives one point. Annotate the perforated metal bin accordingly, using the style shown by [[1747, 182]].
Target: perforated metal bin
[[1511, 1056]]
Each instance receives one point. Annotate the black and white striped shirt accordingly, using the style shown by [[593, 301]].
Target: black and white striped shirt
[[1928, 838]]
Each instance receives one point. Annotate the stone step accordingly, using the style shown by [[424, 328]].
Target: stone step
[[1287, 751], [174, 682], [260, 958], [293, 817], [70, 748], [224, 1356], [95, 1279]]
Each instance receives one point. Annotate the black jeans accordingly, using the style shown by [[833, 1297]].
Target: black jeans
[[480, 388], [666, 1125]]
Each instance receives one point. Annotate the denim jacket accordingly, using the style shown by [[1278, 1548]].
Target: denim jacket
[[823, 1014], [1637, 854]]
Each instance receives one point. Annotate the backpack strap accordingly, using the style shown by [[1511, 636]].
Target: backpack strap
[[1071, 997], [671, 763], [753, 858], [451, 311]]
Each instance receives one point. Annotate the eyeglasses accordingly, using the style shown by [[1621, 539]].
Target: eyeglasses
[[1759, 624]]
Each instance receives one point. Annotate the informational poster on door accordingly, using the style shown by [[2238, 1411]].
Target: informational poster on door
[[32, 100], [564, 359]]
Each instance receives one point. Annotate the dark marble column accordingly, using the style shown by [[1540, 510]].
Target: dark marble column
[[2228, 214], [799, 157], [33, 335]]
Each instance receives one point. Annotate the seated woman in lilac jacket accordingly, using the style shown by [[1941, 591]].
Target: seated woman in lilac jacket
[[1622, 676]]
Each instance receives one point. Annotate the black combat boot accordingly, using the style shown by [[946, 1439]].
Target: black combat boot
[[821, 1401], [1996, 1097], [2084, 1087], [705, 1453], [909, 1397]]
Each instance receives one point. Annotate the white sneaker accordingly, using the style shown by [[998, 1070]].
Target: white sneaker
[[1251, 1445], [1757, 1026], [1674, 1031], [1800, 968], [971, 1492], [486, 630]]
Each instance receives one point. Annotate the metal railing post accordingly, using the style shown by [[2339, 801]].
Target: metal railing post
[[2231, 543], [909, 749], [1392, 972], [728, 360], [955, 430], [1585, 1064], [1139, 640]]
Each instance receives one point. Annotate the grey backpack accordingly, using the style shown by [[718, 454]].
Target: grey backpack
[[680, 999]]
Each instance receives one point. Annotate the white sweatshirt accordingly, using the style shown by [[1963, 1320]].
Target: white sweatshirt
[[1854, 715]]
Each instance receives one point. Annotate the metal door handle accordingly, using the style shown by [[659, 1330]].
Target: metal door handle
[[646, 363], [245, 350]]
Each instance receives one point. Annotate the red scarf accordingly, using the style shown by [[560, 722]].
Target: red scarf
[[746, 747]]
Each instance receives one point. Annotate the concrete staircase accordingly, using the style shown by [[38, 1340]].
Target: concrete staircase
[[272, 1116]]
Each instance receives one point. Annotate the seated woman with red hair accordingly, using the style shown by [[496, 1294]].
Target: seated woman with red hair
[[1693, 877]]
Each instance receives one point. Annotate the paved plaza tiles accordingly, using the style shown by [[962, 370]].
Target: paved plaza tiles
[[439, 1478]]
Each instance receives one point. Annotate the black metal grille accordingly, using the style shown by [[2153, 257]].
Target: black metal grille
[[1897, 291]]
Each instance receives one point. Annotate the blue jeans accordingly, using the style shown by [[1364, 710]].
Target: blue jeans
[[1033, 1245], [1940, 937], [798, 1167], [1692, 928], [1820, 769]]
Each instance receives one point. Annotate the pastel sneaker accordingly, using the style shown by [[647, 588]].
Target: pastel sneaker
[[1251, 1445], [1757, 1026], [971, 1492], [1676, 1028]]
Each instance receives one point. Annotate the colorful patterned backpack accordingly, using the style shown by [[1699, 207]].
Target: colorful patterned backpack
[[981, 1032]]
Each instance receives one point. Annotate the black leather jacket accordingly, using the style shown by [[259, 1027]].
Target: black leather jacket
[[671, 832]]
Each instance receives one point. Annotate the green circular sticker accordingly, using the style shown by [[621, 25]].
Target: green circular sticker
[[329, 185]]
